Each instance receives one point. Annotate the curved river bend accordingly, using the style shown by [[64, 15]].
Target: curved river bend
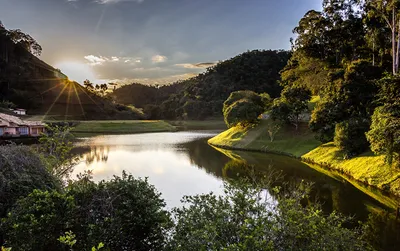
[[182, 163]]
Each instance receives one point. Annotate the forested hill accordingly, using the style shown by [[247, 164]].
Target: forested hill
[[202, 96], [32, 84]]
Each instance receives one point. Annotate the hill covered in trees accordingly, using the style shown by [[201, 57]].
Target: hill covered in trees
[[30, 83], [203, 96]]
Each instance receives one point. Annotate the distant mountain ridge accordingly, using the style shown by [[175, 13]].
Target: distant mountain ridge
[[202, 96]]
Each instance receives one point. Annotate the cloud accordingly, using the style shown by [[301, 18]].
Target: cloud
[[117, 1], [159, 59], [197, 66], [94, 60], [100, 60]]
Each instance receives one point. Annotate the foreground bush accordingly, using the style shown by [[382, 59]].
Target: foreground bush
[[21, 171], [248, 218], [124, 214], [127, 214]]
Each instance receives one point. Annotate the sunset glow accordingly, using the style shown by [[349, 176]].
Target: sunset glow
[[76, 71]]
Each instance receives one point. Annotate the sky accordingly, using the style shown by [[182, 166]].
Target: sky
[[151, 41]]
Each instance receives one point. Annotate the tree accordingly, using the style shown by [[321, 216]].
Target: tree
[[350, 136], [384, 135], [55, 148], [88, 85], [244, 107], [388, 11], [292, 103], [28, 42], [350, 94], [273, 128]]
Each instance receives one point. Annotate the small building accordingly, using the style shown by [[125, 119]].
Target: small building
[[12, 126], [20, 111]]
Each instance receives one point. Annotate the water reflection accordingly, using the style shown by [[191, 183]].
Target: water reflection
[[183, 164]]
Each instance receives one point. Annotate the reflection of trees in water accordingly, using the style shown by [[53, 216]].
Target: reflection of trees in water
[[204, 156], [97, 154], [383, 230], [91, 154], [333, 195]]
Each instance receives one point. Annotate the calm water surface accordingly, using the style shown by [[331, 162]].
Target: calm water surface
[[182, 163]]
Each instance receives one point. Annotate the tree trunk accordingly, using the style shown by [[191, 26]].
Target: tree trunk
[[394, 41], [373, 52], [398, 49]]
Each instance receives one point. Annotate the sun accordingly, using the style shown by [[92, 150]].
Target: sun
[[76, 71]]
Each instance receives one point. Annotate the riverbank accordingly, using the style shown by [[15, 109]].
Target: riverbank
[[122, 127], [366, 168]]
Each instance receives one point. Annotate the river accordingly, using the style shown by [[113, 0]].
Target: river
[[182, 163]]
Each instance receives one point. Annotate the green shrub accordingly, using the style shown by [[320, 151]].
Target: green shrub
[[350, 136], [123, 213], [36, 222], [248, 218], [21, 171]]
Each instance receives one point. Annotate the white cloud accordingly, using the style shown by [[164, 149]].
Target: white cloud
[[100, 60], [94, 60], [117, 1], [159, 59]]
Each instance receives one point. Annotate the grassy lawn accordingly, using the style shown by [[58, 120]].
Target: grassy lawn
[[123, 126]]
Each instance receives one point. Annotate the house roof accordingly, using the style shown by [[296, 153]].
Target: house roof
[[11, 121]]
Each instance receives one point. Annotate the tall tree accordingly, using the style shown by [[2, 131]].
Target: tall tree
[[388, 11]]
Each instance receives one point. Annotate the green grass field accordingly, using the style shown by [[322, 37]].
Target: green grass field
[[367, 167], [122, 126]]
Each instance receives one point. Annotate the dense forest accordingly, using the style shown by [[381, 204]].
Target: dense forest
[[202, 96], [30, 83]]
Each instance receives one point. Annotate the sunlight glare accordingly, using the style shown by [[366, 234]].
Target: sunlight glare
[[76, 71]]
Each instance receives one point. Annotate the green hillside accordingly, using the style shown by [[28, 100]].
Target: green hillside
[[38, 87], [202, 96]]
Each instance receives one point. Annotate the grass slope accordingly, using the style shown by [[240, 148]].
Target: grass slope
[[287, 141], [123, 126], [367, 168]]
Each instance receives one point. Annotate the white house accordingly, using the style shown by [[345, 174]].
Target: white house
[[20, 111], [12, 126]]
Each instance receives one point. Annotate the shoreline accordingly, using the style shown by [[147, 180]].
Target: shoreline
[[360, 169]]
